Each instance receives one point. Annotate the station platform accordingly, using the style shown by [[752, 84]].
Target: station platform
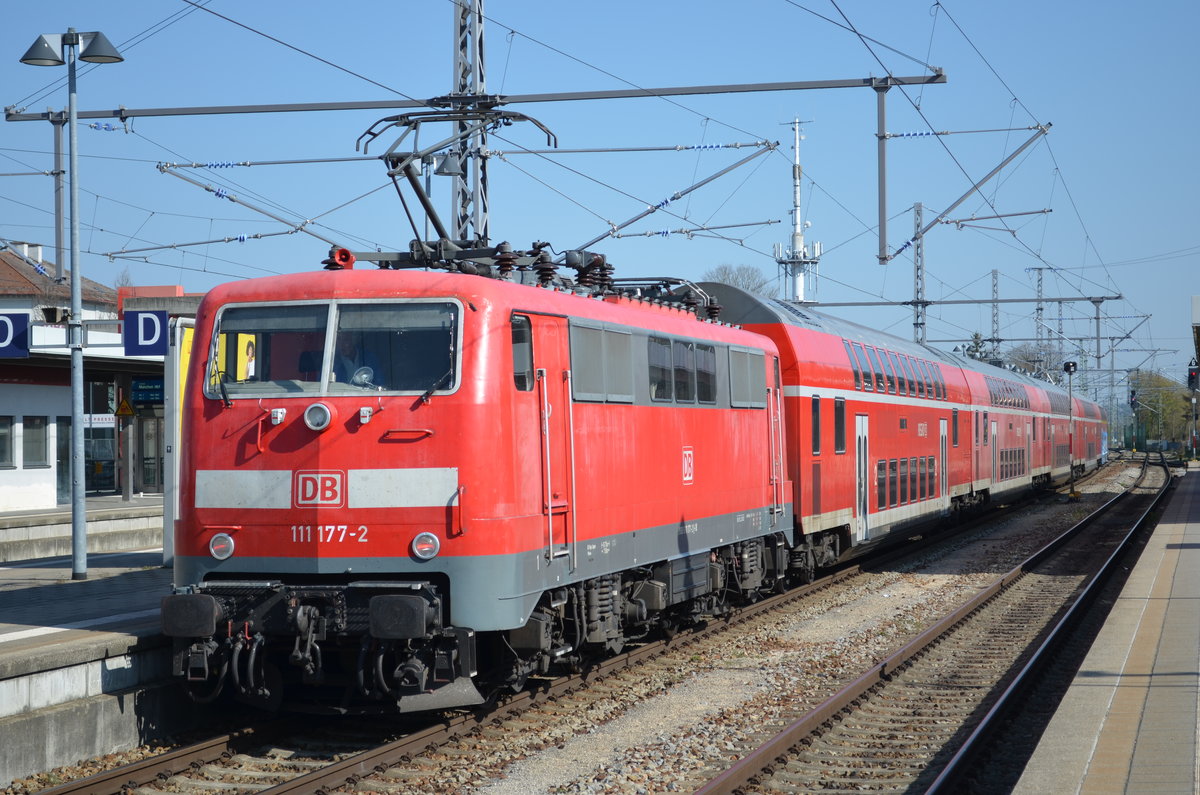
[[1128, 723], [80, 660]]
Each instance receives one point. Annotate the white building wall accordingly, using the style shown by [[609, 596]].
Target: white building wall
[[22, 487]]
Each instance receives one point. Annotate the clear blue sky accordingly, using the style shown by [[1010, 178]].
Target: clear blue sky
[[1117, 169]]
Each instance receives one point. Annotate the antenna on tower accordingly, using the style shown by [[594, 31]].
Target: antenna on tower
[[797, 262]]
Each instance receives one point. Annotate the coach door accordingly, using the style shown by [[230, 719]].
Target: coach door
[[944, 476], [552, 379], [862, 464]]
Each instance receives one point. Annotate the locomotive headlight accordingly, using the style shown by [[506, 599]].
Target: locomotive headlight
[[220, 546], [318, 416], [425, 546]]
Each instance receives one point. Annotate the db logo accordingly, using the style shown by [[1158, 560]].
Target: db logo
[[689, 465], [320, 488]]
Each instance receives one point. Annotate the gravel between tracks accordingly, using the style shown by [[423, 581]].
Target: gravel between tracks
[[777, 666]]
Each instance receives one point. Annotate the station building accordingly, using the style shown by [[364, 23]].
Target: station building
[[35, 392]]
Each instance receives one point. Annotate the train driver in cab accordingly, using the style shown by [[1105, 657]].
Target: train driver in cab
[[350, 358]]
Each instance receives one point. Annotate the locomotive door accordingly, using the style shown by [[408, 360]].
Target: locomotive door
[[552, 373], [862, 464]]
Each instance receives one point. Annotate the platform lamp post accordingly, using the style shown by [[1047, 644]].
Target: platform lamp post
[[1069, 369], [57, 49]]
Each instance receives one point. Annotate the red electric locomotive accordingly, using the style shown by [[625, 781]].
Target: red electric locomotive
[[430, 483]]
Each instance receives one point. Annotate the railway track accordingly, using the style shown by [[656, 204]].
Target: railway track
[[273, 758], [918, 721]]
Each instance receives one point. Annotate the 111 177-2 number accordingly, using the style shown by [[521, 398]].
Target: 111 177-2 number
[[327, 533]]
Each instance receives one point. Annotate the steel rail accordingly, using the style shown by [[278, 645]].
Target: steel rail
[[959, 765], [747, 769]]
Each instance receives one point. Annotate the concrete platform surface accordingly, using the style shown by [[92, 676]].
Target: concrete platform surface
[[1129, 722]]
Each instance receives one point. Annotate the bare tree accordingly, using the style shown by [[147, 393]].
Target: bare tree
[[124, 279], [746, 277]]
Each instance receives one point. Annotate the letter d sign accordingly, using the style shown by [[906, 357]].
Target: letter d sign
[[14, 336], [145, 334]]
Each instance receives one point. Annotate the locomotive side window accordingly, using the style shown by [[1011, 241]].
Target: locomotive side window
[[747, 379], [587, 363], [706, 373], [685, 371], [839, 425], [853, 365], [522, 349], [601, 364], [287, 354], [659, 352]]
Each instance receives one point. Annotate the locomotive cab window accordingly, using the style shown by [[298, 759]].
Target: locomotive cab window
[[395, 347], [288, 349], [522, 349]]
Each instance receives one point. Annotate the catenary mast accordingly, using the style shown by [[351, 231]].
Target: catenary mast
[[796, 263]]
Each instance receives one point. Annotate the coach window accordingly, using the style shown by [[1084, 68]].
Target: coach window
[[893, 482], [522, 349], [941, 382], [985, 429], [903, 481], [921, 477], [860, 354], [659, 351], [881, 484], [916, 366], [706, 373], [954, 427], [887, 369], [853, 365], [901, 381], [880, 385], [816, 424], [839, 425], [927, 378], [910, 371], [912, 479], [933, 477], [685, 372]]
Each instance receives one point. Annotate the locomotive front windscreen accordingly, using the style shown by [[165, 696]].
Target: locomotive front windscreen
[[334, 348]]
